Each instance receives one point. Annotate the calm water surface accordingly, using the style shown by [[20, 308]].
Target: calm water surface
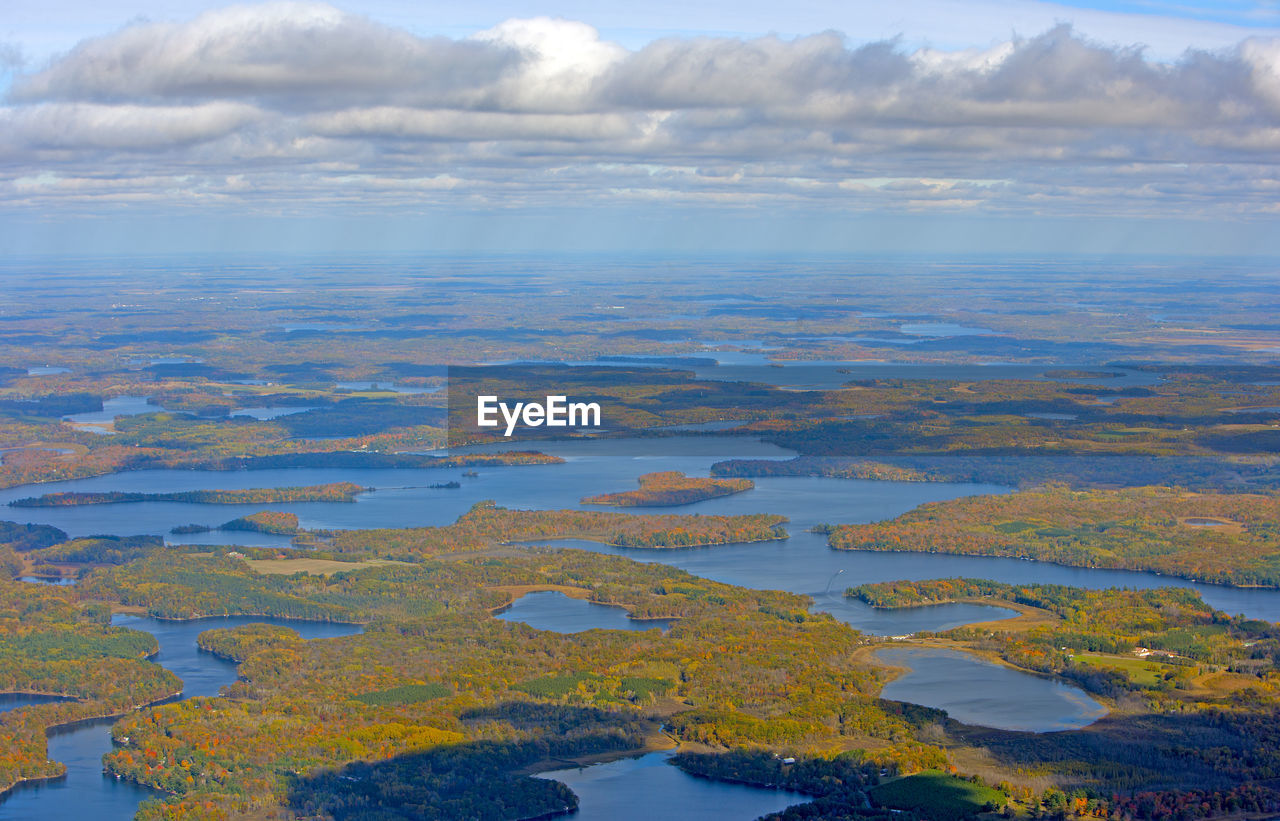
[[551, 610], [264, 412], [942, 329], [805, 564], [975, 691], [111, 408], [403, 499], [12, 701], [802, 564], [647, 787]]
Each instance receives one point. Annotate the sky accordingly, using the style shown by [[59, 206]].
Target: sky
[[926, 126]]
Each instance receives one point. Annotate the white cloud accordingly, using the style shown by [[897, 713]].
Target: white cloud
[[562, 61], [294, 53], [306, 104], [487, 126], [125, 126]]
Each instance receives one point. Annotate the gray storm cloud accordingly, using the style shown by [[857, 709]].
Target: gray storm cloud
[[298, 102]]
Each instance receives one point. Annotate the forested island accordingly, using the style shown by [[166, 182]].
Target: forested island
[[332, 492], [266, 521], [670, 489], [487, 523]]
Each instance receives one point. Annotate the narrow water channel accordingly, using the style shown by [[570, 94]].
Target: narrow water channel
[[86, 792]]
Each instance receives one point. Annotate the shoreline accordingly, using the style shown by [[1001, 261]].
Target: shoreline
[[547, 543], [7, 790], [1033, 616], [519, 591], [1162, 574], [657, 742]]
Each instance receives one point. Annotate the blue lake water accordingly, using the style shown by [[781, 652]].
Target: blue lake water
[[647, 787], [265, 412], [18, 448], [393, 387], [941, 329], [321, 326], [12, 701], [243, 538], [802, 564], [805, 564], [551, 610], [403, 498], [98, 421], [975, 691]]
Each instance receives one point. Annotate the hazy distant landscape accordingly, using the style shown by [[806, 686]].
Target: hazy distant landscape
[[815, 485]]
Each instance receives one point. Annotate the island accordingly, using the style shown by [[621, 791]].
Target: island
[[671, 488], [332, 492]]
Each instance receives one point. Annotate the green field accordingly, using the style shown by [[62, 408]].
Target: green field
[[937, 795], [1140, 671]]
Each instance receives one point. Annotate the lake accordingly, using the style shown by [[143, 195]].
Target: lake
[[805, 564], [402, 498], [265, 412], [552, 610], [99, 421], [975, 691], [647, 787], [12, 701], [943, 329], [392, 387], [801, 564]]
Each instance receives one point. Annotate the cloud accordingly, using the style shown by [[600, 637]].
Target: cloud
[[125, 126], [488, 126], [307, 105], [561, 62], [294, 54]]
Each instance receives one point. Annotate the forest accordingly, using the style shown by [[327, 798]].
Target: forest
[[669, 489], [57, 644], [333, 492], [434, 670], [1225, 538], [486, 524]]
